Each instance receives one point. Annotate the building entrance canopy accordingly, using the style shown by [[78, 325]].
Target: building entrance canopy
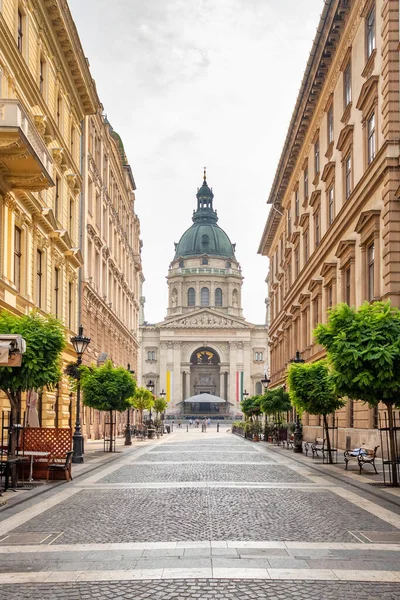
[[205, 405]]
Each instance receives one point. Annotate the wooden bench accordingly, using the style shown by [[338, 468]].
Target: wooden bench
[[318, 446], [362, 455]]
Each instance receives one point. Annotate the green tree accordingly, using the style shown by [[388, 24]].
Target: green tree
[[41, 363], [160, 404], [251, 406], [275, 402], [107, 388], [142, 400], [312, 389], [363, 347]]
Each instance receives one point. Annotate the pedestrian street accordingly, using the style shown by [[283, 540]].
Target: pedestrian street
[[201, 515]]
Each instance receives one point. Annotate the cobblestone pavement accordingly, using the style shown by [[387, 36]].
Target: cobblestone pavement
[[193, 518], [205, 590], [196, 472]]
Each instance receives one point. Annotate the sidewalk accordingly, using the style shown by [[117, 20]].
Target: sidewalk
[[94, 458], [366, 481]]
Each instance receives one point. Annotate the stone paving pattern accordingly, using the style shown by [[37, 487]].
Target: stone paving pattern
[[195, 456], [195, 472], [124, 515], [203, 589]]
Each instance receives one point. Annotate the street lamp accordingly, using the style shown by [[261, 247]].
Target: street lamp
[[265, 381], [80, 343], [150, 386], [162, 394], [128, 435], [245, 394], [298, 431]]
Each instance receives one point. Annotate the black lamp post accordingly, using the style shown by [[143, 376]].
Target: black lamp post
[[150, 386], [245, 394], [128, 434], [162, 394], [80, 343], [298, 432], [265, 381]]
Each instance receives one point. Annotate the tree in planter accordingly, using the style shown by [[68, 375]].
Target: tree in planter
[[107, 388], [274, 403], [251, 410], [312, 389], [160, 404], [41, 363], [363, 347], [142, 400]]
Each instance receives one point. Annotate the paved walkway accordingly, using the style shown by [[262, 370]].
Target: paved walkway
[[195, 516]]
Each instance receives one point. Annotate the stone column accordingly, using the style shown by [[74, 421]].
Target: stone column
[[247, 366], [187, 394], [232, 373], [222, 391], [177, 391]]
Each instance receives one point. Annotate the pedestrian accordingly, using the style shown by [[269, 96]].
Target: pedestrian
[[197, 423], [190, 422], [209, 421], [205, 425], [179, 423]]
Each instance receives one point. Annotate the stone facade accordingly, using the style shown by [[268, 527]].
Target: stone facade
[[112, 268], [46, 91], [204, 345], [332, 234]]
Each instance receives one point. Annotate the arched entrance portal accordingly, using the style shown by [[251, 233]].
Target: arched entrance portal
[[204, 372], [205, 381]]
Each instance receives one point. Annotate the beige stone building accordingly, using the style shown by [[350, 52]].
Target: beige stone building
[[112, 271], [46, 91], [333, 231], [204, 346]]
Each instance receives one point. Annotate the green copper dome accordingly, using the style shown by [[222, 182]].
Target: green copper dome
[[205, 236]]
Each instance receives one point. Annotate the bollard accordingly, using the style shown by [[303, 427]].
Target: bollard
[[217, 427], [187, 427]]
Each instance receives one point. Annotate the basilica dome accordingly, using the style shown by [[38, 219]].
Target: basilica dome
[[205, 236]]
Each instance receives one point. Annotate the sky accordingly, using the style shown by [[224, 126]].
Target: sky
[[194, 83]]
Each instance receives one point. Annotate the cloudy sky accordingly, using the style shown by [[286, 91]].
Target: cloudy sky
[[193, 83]]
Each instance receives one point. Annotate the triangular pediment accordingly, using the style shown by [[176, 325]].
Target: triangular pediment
[[204, 318]]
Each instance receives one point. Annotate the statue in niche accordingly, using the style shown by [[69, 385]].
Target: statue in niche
[[235, 303], [174, 298]]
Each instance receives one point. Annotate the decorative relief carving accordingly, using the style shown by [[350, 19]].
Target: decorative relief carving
[[206, 320]]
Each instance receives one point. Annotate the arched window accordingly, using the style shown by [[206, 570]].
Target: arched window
[[205, 240], [258, 388], [151, 355], [191, 297], [205, 297], [235, 302], [218, 297]]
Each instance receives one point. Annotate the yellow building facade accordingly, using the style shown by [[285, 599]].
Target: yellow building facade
[[46, 91], [332, 234], [111, 247]]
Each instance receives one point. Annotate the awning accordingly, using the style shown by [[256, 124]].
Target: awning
[[201, 398]]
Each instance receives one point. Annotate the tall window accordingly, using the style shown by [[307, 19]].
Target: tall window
[[296, 262], [371, 39], [316, 157], [371, 138], [57, 198], [330, 124], [191, 297], [317, 228], [306, 246], [347, 85], [39, 276], [218, 297], [57, 291], [296, 204], [151, 355], [347, 285], [371, 271], [331, 205], [306, 182], [347, 175], [59, 110], [71, 217], [42, 69], [329, 296], [17, 257], [289, 221], [70, 303], [205, 296], [20, 31], [258, 356], [258, 388]]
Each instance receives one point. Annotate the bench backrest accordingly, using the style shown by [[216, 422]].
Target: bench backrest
[[320, 441], [370, 451]]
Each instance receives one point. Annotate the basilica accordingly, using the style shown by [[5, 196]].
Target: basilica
[[204, 355]]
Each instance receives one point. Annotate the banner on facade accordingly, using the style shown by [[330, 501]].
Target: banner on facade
[[239, 385]]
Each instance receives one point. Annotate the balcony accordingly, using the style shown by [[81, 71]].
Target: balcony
[[25, 163]]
